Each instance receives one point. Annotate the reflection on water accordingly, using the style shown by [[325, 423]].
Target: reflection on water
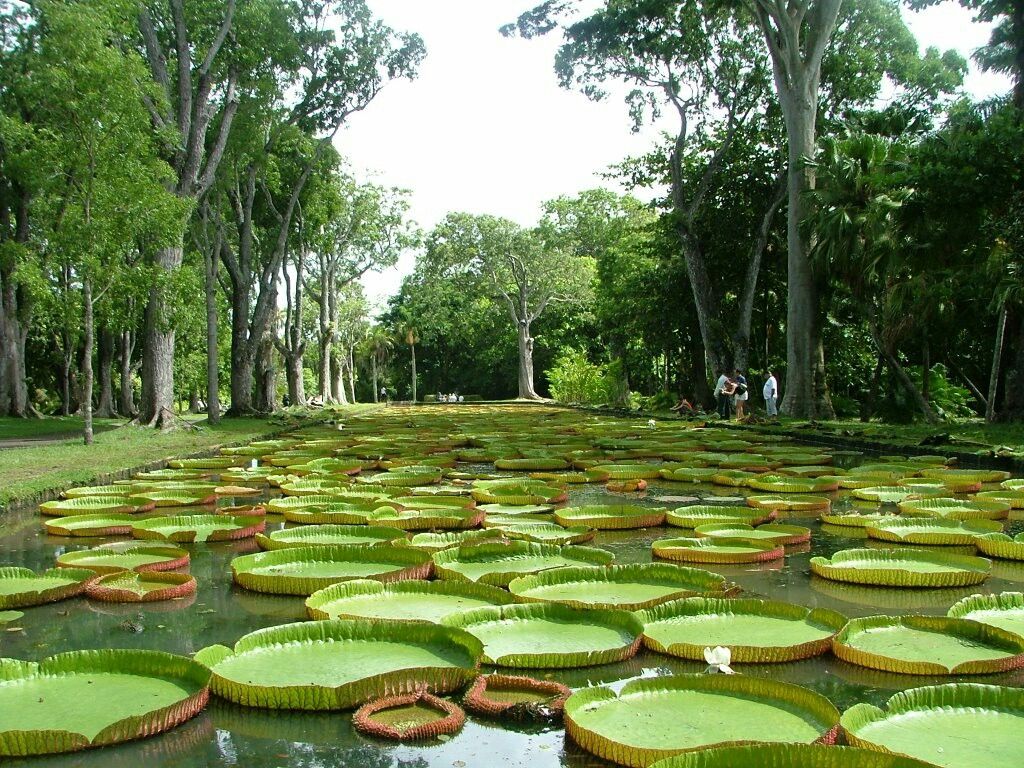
[[229, 735]]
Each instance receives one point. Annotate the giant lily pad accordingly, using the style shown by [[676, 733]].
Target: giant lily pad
[[87, 699], [144, 587], [1002, 546], [516, 509], [409, 717], [762, 631], [20, 587], [960, 725], [546, 533], [788, 756], [803, 502], [956, 509], [932, 532], [711, 550], [902, 568], [497, 564], [328, 665], [335, 513], [428, 518], [689, 474], [1005, 610], [329, 535], [435, 542], [629, 471], [857, 519], [428, 601], [611, 516], [773, 533], [651, 719], [709, 514], [304, 570], [627, 587], [787, 484], [886, 494], [94, 505], [100, 524], [139, 557], [516, 697], [192, 528], [928, 645], [550, 636]]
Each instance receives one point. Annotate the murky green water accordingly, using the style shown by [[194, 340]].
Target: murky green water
[[229, 735]]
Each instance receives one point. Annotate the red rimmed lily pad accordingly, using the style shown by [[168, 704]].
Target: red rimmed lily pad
[[516, 697], [21, 587], [409, 717], [126, 556], [140, 587]]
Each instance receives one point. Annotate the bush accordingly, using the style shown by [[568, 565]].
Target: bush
[[574, 379]]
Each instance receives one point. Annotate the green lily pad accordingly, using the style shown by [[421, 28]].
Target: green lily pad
[[625, 587], [51, 707], [427, 518], [928, 645], [330, 665], [547, 533], [886, 494], [99, 524], [429, 601], [196, 528], [550, 636], [773, 532], [803, 502], [328, 535], [435, 542], [94, 505], [611, 516], [140, 557], [717, 550], [94, 491], [629, 471], [304, 570], [902, 568], [956, 509], [709, 514], [788, 484], [857, 519], [932, 532], [760, 631], [689, 474], [1005, 610], [210, 462], [960, 725], [6, 617], [1001, 546], [516, 509], [497, 564], [21, 587], [652, 719], [788, 756], [335, 513], [144, 587]]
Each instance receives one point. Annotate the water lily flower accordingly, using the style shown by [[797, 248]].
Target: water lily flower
[[652, 423], [718, 659]]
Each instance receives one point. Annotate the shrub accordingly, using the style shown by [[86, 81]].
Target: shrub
[[574, 379]]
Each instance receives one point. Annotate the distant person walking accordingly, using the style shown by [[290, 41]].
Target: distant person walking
[[771, 395], [724, 389], [741, 393]]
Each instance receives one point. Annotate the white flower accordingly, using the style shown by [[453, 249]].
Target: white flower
[[652, 423], [718, 659]]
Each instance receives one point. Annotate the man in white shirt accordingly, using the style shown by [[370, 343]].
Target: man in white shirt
[[771, 395], [721, 399]]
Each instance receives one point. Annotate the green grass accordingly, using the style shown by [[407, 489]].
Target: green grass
[[29, 471], [50, 427]]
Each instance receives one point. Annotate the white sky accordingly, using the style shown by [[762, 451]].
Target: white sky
[[485, 128]]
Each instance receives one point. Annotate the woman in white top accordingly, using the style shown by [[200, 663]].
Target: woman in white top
[[741, 395]]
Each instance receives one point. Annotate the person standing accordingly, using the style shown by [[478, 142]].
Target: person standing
[[741, 394], [723, 394], [771, 395]]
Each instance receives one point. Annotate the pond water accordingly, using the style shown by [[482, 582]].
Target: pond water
[[230, 735]]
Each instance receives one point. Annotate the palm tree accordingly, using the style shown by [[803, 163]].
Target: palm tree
[[410, 335], [857, 242], [378, 346]]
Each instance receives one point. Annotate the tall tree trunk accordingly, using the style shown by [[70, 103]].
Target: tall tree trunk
[[337, 377], [867, 409], [997, 357], [412, 350], [266, 379], [373, 376], [158, 346], [194, 403], [126, 393], [212, 339], [14, 396], [526, 390], [87, 344], [352, 374], [1013, 396], [982, 400], [105, 357], [243, 354], [293, 373]]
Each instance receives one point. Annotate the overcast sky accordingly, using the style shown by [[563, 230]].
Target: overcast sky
[[485, 128]]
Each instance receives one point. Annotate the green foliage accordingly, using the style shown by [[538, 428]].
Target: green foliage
[[574, 379]]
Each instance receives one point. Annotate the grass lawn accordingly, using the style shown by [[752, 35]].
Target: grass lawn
[[27, 471], [51, 427]]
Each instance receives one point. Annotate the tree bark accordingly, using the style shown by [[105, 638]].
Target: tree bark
[[126, 395], [15, 306], [212, 337], [997, 356], [1013, 397], [373, 375], [526, 390], [412, 350], [352, 374], [87, 373], [158, 346], [970, 384], [105, 356]]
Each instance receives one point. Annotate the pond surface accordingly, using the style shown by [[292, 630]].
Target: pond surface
[[230, 735]]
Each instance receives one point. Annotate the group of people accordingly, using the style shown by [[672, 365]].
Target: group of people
[[452, 398], [732, 392]]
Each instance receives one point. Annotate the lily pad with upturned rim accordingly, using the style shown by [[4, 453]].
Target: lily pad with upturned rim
[[1001, 546], [436, 541], [140, 557], [51, 707], [958, 725], [340, 664], [707, 514], [652, 719], [428, 601], [23, 587], [611, 516], [956, 509], [329, 535], [94, 505], [932, 532], [1005, 610], [803, 502], [857, 519], [928, 645], [516, 697], [550, 636], [199, 528], [144, 587], [789, 756], [773, 532], [902, 568], [712, 550], [624, 587], [409, 717], [546, 533], [755, 631], [304, 570], [498, 564], [100, 524]]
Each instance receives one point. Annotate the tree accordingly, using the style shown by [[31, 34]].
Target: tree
[[522, 268], [379, 347]]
